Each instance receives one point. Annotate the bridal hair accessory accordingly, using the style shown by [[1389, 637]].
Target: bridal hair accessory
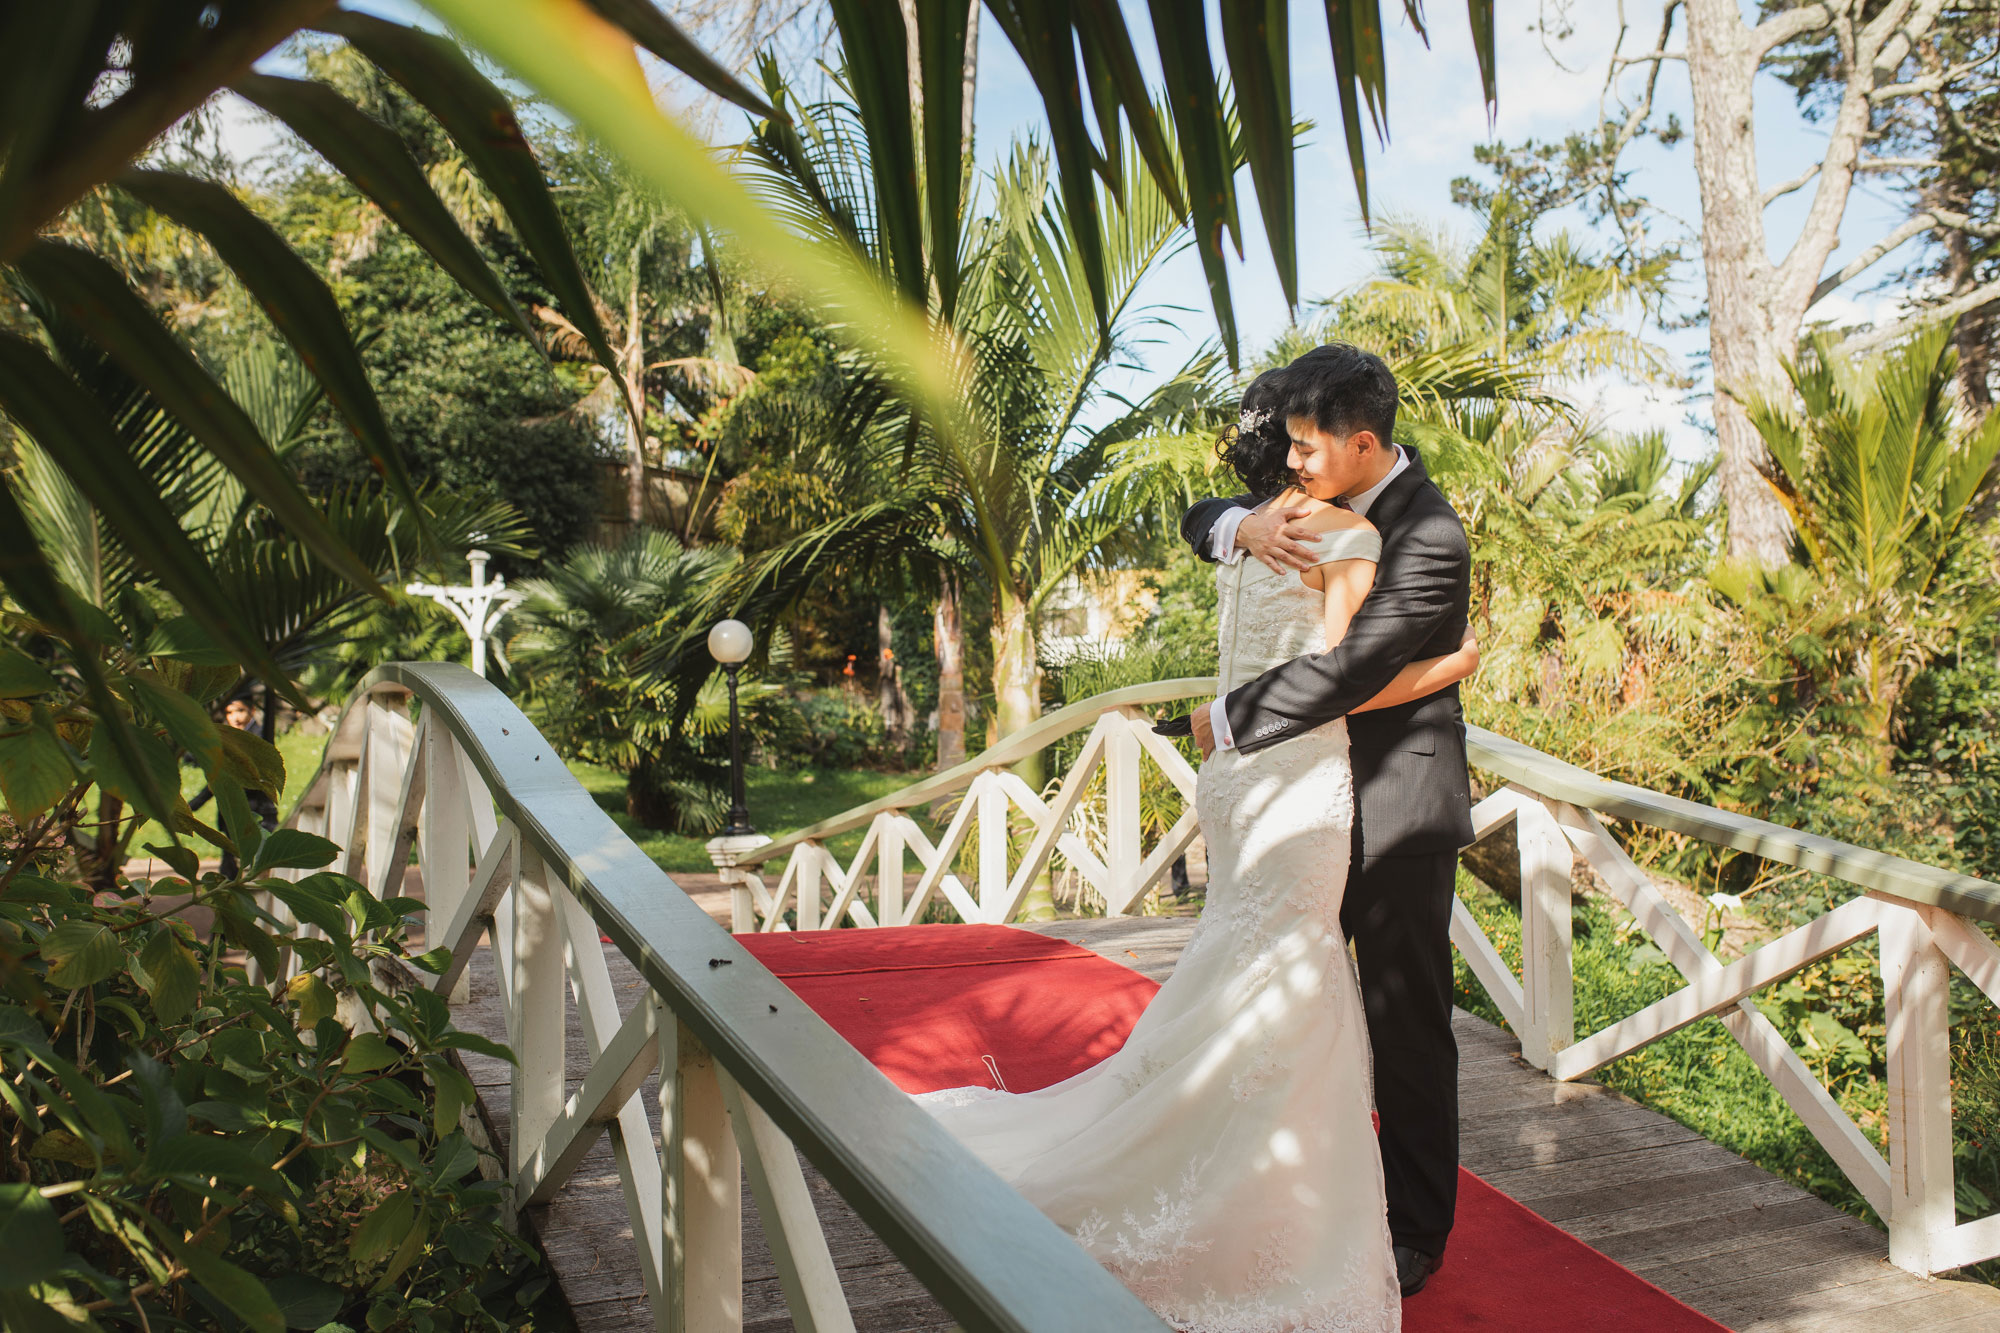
[[1253, 421]]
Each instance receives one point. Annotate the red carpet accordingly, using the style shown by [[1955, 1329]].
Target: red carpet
[[927, 1004]]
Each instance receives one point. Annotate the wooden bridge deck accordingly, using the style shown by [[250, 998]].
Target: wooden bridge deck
[[1725, 1236]]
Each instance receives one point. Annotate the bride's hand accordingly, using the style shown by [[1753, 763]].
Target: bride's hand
[[1469, 647]]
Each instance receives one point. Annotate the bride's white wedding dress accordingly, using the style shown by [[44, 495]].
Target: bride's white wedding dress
[[1223, 1162]]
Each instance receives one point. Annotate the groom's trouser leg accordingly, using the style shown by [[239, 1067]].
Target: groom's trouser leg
[[1398, 913]]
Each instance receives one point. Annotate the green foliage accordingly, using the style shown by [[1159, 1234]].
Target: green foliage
[[191, 1146], [1878, 474], [611, 643]]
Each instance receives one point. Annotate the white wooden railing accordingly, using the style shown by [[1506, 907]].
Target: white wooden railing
[[1927, 920], [512, 850]]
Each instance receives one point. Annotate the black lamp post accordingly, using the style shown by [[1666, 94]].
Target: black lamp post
[[729, 643]]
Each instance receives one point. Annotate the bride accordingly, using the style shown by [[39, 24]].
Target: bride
[[1223, 1163]]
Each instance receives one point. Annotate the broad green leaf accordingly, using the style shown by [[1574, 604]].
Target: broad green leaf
[[156, 770], [406, 1253], [31, 1240], [1254, 34], [59, 1145], [876, 43], [305, 1301], [186, 722], [941, 32], [294, 849], [383, 1229], [468, 1244], [375, 162], [1181, 29], [296, 299], [479, 117], [657, 33], [454, 1095], [369, 1051], [313, 906], [456, 1040], [73, 430], [253, 761], [35, 770], [315, 999], [229, 1158], [433, 961], [184, 639], [245, 1296], [23, 1313], [21, 676], [183, 860], [81, 953], [173, 976]]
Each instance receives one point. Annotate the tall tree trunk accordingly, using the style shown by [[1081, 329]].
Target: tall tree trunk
[[1017, 676], [890, 695], [632, 367], [948, 635], [1017, 692], [1744, 345]]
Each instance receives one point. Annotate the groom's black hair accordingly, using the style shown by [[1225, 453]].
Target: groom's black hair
[[1342, 389]]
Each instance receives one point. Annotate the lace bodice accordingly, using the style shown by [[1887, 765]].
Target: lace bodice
[[1269, 618]]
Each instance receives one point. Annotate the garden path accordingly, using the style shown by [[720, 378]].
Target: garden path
[[1744, 1247]]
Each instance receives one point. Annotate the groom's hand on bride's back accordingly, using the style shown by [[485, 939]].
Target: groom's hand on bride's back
[[1278, 538]]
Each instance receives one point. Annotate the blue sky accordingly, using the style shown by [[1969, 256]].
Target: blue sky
[[1436, 118]]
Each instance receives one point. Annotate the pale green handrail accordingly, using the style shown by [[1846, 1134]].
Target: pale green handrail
[[1883, 872]]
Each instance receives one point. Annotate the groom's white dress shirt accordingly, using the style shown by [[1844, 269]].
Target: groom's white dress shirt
[[1222, 545]]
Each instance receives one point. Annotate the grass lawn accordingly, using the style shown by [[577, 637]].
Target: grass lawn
[[1699, 1075], [781, 801]]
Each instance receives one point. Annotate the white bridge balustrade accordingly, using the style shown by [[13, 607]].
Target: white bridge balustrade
[[1927, 920], [514, 852]]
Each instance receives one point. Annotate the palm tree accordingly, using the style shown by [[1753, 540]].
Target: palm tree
[[1545, 306], [610, 643], [1020, 495], [1878, 471]]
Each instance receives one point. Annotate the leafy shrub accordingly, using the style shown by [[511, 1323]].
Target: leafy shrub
[[188, 1144]]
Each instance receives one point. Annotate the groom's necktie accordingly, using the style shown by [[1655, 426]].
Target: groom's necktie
[[1341, 502]]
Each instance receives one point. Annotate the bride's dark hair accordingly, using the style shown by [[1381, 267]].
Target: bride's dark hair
[[1257, 446]]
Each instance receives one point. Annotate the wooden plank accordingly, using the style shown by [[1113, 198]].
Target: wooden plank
[[1650, 1192]]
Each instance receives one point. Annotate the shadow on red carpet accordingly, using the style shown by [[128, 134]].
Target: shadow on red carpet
[[931, 1005]]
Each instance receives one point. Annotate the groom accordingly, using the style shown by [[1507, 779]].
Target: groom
[[1412, 797]]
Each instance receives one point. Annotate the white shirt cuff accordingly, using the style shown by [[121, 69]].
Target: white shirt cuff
[[1218, 721], [1222, 537]]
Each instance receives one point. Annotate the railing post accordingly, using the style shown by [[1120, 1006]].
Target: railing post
[[889, 870], [1548, 984], [812, 867], [1916, 1005], [723, 852], [701, 1184], [992, 843], [389, 734], [537, 980], [444, 844], [1122, 854]]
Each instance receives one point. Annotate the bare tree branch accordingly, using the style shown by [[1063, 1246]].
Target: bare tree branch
[[1916, 225], [1963, 304], [1798, 182], [1792, 24]]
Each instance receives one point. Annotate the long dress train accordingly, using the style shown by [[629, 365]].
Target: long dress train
[[1223, 1162]]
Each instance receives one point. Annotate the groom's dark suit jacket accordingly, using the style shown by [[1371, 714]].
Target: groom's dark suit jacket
[[1409, 761]]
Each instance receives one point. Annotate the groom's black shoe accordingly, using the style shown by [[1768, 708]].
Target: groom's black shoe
[[1414, 1268]]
